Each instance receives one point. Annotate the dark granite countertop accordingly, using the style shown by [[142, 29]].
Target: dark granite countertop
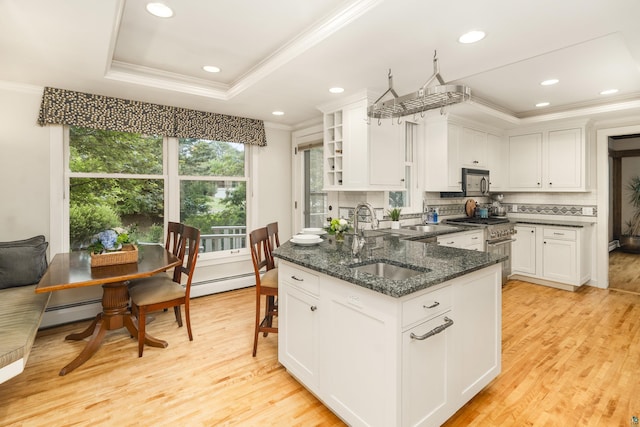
[[439, 263], [559, 223]]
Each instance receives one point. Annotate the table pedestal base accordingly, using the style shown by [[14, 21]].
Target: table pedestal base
[[115, 315]]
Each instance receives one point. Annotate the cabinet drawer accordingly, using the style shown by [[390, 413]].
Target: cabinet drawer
[[300, 278], [426, 306], [560, 233]]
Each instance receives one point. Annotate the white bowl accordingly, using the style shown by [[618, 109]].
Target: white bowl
[[306, 242], [305, 237], [313, 231]]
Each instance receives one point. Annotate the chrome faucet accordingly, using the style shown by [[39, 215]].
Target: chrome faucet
[[358, 236]]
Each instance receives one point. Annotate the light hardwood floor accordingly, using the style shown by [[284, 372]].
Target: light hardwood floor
[[569, 359], [624, 271]]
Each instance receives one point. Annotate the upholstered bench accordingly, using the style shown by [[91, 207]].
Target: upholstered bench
[[22, 263]]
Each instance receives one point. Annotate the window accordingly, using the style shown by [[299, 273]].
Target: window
[[119, 179], [213, 192], [404, 199]]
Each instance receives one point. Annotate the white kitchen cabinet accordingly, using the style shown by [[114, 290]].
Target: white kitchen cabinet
[[473, 240], [298, 323], [498, 162], [360, 155], [523, 259], [472, 149], [387, 154], [556, 256], [564, 159], [426, 370], [452, 144], [359, 354], [442, 171], [525, 161], [477, 339], [549, 160], [559, 256], [367, 368]]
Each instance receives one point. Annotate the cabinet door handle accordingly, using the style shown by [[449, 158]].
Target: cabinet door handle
[[435, 304], [447, 322], [313, 308], [295, 278], [558, 234]]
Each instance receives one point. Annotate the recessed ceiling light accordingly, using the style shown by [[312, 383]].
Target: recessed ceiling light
[[336, 90], [549, 82], [278, 113], [472, 37], [211, 69], [160, 10], [608, 91], [542, 104]]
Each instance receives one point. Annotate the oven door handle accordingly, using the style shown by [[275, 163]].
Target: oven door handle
[[501, 242]]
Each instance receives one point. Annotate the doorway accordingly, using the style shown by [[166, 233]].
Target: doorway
[[604, 224]]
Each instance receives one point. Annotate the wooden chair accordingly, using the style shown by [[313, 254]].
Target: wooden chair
[[172, 244], [161, 291], [266, 283]]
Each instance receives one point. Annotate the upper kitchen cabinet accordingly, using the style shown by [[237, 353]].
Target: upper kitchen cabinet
[[552, 159], [452, 144], [361, 155]]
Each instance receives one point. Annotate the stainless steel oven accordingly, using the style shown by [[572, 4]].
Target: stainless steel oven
[[499, 234]]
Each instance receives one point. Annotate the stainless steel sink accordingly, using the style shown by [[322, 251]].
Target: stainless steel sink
[[388, 271], [431, 228]]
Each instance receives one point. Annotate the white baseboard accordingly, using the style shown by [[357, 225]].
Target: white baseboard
[[614, 244]]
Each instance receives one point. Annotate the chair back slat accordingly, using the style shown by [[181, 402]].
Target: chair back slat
[[188, 253], [174, 237], [260, 250]]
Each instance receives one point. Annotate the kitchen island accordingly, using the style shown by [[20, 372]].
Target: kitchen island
[[407, 349]]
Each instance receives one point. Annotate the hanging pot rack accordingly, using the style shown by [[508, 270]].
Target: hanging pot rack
[[426, 98]]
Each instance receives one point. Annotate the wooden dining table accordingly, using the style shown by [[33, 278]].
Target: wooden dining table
[[73, 270]]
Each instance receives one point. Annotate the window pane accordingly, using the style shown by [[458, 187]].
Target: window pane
[[316, 206], [101, 151], [218, 209], [200, 157], [97, 204]]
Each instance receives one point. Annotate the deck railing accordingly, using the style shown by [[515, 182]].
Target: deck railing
[[224, 237]]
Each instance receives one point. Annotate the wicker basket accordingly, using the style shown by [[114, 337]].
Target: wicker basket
[[128, 254]]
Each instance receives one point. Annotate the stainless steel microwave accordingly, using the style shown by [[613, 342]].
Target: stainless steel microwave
[[475, 182]]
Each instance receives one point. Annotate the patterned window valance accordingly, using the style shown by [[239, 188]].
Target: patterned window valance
[[60, 106]]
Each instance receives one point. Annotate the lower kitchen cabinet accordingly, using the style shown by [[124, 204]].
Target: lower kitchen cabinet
[[472, 240], [478, 338], [552, 255], [523, 250], [425, 373], [299, 327], [355, 351]]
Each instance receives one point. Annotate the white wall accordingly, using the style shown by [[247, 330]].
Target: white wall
[[24, 164]]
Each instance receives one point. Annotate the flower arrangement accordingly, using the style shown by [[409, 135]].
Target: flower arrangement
[[109, 241], [338, 226]]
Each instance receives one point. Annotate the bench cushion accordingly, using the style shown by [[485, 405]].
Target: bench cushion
[[21, 311]]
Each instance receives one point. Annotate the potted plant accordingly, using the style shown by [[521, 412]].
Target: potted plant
[[630, 240], [394, 214]]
